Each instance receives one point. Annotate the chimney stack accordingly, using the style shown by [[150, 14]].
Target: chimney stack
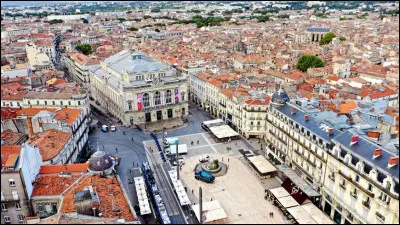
[[30, 127], [393, 161], [330, 131], [354, 140], [292, 110], [377, 153], [306, 117]]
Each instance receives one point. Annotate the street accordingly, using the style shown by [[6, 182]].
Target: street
[[131, 150]]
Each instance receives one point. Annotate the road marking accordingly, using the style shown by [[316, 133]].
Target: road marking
[[201, 146], [209, 143]]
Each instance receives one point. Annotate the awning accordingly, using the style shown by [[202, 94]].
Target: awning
[[298, 181], [223, 131], [261, 164], [212, 211], [279, 192], [288, 201]]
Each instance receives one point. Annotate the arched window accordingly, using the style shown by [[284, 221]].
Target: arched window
[[157, 98], [146, 100], [168, 97]]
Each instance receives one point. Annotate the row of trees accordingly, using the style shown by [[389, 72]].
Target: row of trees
[[201, 22], [54, 21]]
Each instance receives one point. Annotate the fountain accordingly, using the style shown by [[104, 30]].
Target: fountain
[[212, 167]]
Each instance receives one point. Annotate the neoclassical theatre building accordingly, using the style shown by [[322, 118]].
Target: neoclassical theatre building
[[138, 89]]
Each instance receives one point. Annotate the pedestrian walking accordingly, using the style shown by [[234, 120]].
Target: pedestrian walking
[[191, 142], [272, 214], [198, 141], [116, 149], [132, 138]]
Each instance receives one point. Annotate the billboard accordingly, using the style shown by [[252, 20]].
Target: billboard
[[176, 96], [139, 101]]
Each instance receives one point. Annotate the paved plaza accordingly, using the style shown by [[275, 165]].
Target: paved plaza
[[239, 192]]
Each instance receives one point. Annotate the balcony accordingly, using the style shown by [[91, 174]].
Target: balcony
[[342, 186], [357, 185], [277, 137], [366, 204], [297, 141], [9, 198]]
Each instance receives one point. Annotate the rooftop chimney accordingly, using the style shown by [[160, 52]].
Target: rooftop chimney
[[374, 135], [306, 117], [330, 131], [377, 153], [354, 140], [393, 161], [30, 127], [293, 111]]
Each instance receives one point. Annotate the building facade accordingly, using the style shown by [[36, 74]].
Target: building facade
[[137, 89], [358, 180]]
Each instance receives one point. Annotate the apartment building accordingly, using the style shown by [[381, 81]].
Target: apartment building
[[361, 182], [77, 65], [137, 89], [19, 167], [41, 54], [357, 179]]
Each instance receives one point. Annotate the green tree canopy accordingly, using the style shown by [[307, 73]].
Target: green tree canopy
[[327, 38], [86, 49], [157, 9], [342, 39], [309, 61], [262, 19], [132, 28]]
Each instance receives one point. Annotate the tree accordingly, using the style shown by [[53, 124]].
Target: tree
[[327, 38], [342, 18], [157, 30], [86, 49], [262, 19], [85, 21], [146, 17], [121, 19], [309, 61], [156, 10], [69, 31], [132, 29], [342, 39]]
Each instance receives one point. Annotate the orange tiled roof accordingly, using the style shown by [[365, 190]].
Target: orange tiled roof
[[73, 115], [103, 187], [33, 111], [346, 107], [333, 77], [9, 151], [375, 93], [11, 138], [50, 142], [52, 184], [81, 167]]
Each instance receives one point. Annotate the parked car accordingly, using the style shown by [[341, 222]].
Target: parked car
[[204, 158], [113, 128], [104, 128]]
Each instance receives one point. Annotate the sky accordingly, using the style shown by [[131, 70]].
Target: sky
[[31, 3]]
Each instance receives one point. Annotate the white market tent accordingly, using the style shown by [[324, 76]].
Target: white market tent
[[288, 201], [213, 211], [223, 131], [182, 149], [279, 192], [261, 164], [179, 189], [142, 196], [213, 121], [316, 214]]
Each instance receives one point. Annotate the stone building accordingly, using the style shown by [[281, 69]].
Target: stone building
[[312, 34], [137, 89]]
